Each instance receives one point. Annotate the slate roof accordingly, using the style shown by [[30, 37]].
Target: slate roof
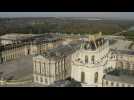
[[62, 50]]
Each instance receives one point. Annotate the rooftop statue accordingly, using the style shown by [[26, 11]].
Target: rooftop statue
[[95, 36]]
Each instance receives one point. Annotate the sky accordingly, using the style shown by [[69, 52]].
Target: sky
[[114, 15]]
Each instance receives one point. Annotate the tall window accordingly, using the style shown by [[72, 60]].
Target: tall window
[[112, 84], [117, 84], [123, 85], [35, 67], [82, 77], [85, 46], [86, 59], [40, 67], [45, 80], [106, 83], [44, 69], [28, 51], [36, 78], [41, 79], [96, 77], [92, 59], [56, 69]]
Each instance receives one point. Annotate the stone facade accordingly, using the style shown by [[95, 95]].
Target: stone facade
[[53, 66], [85, 62], [48, 71], [88, 63]]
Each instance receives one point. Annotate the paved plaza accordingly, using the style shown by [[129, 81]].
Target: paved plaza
[[19, 69]]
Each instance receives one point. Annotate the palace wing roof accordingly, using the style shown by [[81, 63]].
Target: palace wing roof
[[62, 51], [129, 52]]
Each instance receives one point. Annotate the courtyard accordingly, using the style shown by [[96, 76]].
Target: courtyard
[[18, 70]]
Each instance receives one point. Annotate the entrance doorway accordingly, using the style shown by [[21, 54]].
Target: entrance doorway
[[28, 51], [96, 77], [82, 77]]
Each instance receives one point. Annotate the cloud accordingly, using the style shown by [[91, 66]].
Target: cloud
[[119, 15]]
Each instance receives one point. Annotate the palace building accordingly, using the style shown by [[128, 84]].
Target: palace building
[[121, 73], [54, 65], [14, 46], [124, 59], [89, 61]]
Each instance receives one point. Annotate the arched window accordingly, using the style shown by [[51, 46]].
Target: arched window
[[117, 84], [92, 59], [106, 83], [96, 77], [86, 59], [82, 77], [123, 85], [112, 84]]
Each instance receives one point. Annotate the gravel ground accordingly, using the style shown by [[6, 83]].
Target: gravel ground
[[17, 69]]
